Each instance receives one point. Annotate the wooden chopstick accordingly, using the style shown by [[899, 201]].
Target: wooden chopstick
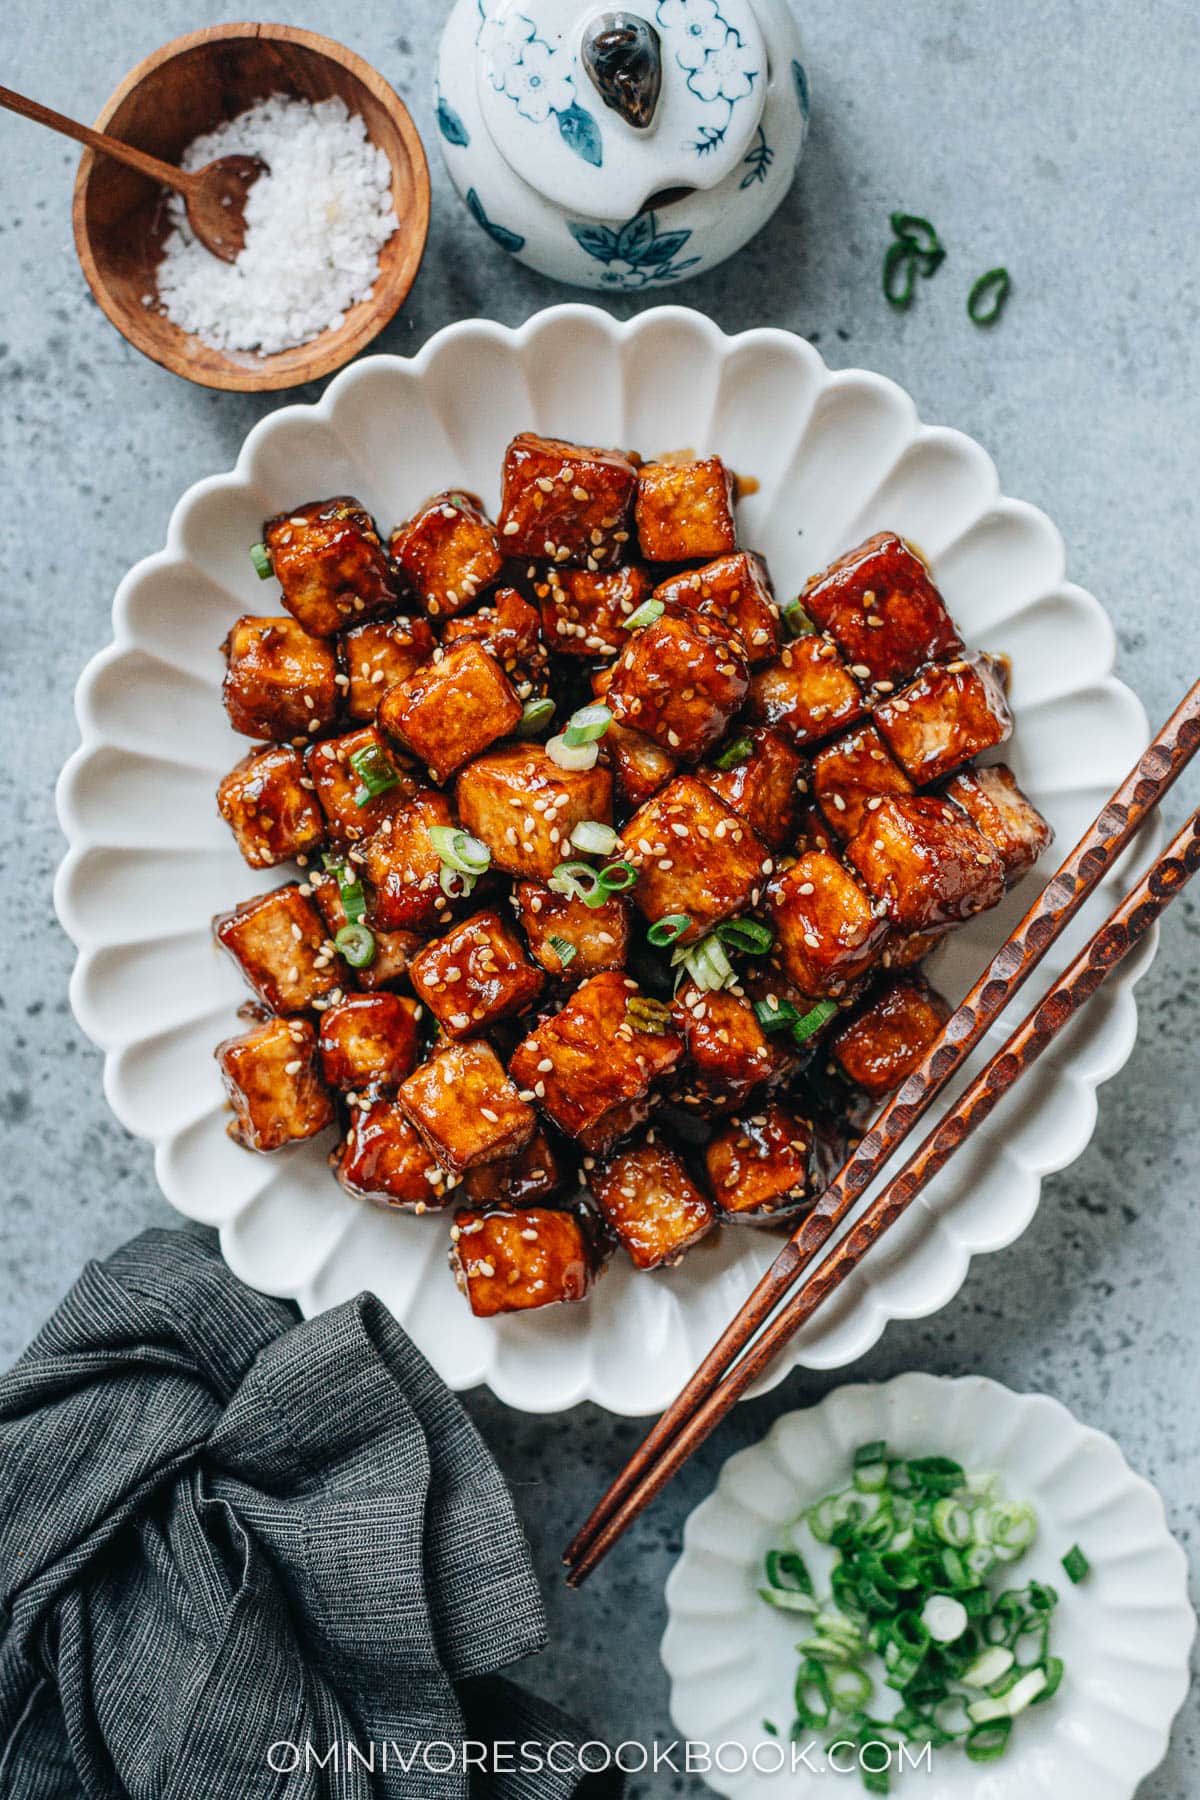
[[1124, 928], [1155, 772]]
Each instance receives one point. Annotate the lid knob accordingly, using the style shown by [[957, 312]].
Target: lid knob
[[622, 54]]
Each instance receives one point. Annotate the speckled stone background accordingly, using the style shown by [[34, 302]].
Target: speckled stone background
[[1059, 136]]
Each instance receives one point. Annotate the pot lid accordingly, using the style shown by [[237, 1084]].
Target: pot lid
[[600, 107]]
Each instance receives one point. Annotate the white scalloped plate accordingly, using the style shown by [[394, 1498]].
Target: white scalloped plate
[[1124, 1633], [836, 456]]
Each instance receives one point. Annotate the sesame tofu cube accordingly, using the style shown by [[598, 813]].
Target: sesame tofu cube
[[684, 510], [639, 765], [278, 941], [510, 1260], [590, 1066], [466, 1108], [694, 855], [369, 1040], [650, 1202], [475, 976], [882, 1045], [394, 950], [828, 932], [533, 1174], [807, 693], [377, 655], [879, 604], [924, 861], [763, 1165], [681, 681], [510, 630], [519, 802], [735, 590], [997, 808], [451, 709], [851, 776], [584, 612], [274, 1086], [448, 554], [404, 868], [280, 683], [384, 1160], [270, 808], [766, 787], [340, 769], [331, 564], [949, 714], [567, 937], [728, 1052], [563, 503]]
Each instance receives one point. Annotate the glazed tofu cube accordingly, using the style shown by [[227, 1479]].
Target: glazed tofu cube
[[684, 510], [280, 683], [905, 952], [448, 554], [270, 806], [694, 855], [510, 630], [762, 1165], [681, 681], [591, 1065], [369, 1040], [511, 1260], [466, 1108], [925, 863], [384, 1160], [394, 950], [563, 503], [568, 938], [475, 976], [728, 1052], [377, 655], [533, 1174], [524, 807], [880, 605], [451, 709], [404, 869], [997, 808], [807, 693], [639, 765], [735, 590], [278, 941], [271, 1078], [331, 564], [852, 775], [650, 1202], [949, 714], [828, 931], [882, 1045], [766, 786], [360, 781], [584, 613]]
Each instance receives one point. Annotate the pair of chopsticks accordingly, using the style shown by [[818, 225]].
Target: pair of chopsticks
[[773, 1313]]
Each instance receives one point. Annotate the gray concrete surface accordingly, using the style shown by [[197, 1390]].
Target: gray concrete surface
[[1061, 137]]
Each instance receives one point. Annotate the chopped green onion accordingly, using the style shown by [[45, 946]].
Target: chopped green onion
[[1013, 1529], [577, 880], [988, 1668], [936, 1474], [988, 297], [666, 930], [988, 1741], [1076, 1564], [375, 770], [914, 230], [773, 1016], [534, 714], [746, 935], [649, 1015], [850, 1688], [944, 1618], [706, 963], [350, 890], [1055, 1670], [646, 614], [770, 1727], [454, 883], [565, 952], [594, 839], [459, 849], [740, 751], [900, 274], [260, 556], [786, 1569], [812, 1022], [797, 620], [618, 877], [571, 756], [586, 726], [952, 1522], [357, 944], [788, 1600], [869, 1454]]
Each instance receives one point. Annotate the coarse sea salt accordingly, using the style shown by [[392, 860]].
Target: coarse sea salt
[[314, 228]]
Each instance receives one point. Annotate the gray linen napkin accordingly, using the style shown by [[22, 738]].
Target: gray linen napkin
[[223, 1531]]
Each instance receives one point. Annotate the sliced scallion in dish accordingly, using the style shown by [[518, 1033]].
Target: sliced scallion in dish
[[706, 962], [357, 944], [459, 850], [668, 930], [260, 556], [797, 620], [593, 838], [648, 1015], [746, 935], [587, 725], [375, 770], [535, 714], [571, 756], [565, 952], [645, 614], [580, 881], [350, 890], [989, 296], [812, 1021], [740, 751]]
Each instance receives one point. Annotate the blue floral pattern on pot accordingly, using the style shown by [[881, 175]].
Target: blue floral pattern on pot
[[537, 78], [719, 65], [636, 253]]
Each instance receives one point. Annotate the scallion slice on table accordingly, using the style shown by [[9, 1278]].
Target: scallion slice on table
[[593, 838], [912, 229], [535, 714], [459, 850], [375, 770], [260, 556], [900, 274], [988, 297], [668, 930], [645, 614], [357, 944], [586, 726], [1076, 1565]]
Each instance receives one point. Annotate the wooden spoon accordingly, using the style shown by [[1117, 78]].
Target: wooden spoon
[[215, 195]]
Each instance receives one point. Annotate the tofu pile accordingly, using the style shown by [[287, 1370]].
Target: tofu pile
[[529, 1064]]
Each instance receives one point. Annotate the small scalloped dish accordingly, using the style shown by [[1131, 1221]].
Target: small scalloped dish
[[836, 456], [1123, 1633]]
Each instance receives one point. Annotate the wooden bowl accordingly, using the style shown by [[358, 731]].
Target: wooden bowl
[[186, 88]]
